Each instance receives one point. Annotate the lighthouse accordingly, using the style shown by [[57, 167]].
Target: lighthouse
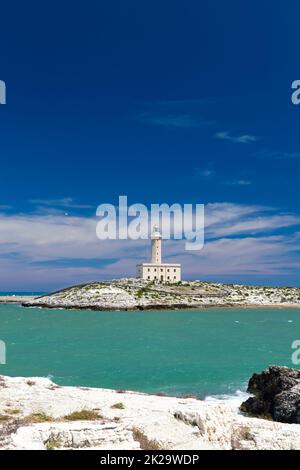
[[156, 245], [156, 270]]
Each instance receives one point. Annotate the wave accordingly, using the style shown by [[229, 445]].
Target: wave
[[234, 399]]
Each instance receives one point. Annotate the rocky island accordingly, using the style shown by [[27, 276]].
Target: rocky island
[[35, 413], [140, 294]]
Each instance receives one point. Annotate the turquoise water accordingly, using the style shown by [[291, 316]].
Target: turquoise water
[[21, 293], [205, 352]]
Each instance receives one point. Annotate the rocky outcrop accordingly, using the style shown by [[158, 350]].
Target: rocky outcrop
[[138, 294], [276, 395], [35, 413]]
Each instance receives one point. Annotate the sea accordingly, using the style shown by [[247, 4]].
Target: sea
[[4, 294], [208, 353]]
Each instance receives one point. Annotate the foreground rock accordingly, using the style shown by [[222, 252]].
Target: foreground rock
[[132, 294], [37, 414], [276, 395]]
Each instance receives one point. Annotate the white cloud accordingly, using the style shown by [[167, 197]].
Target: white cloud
[[205, 173], [277, 155], [184, 121], [240, 139], [238, 183], [66, 202], [243, 256], [39, 250]]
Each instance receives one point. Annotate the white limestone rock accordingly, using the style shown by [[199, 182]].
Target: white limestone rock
[[144, 421], [130, 294]]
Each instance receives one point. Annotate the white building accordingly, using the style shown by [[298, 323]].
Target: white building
[[156, 270]]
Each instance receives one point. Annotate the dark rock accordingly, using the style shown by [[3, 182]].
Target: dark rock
[[276, 393]]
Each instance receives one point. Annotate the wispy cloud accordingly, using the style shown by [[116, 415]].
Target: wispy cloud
[[38, 250], [66, 202], [238, 139], [173, 120], [238, 183], [178, 103], [205, 173], [251, 256], [254, 225], [277, 155]]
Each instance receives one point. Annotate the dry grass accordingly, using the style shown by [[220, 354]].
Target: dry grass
[[13, 411], [4, 418], [54, 442], [145, 443], [118, 406], [83, 415], [38, 418]]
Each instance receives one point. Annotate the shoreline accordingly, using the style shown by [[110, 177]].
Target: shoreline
[[17, 299], [28, 302], [161, 308]]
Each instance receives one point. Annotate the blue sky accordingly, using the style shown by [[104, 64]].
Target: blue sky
[[164, 101]]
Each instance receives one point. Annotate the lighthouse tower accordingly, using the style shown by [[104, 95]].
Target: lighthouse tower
[[156, 270], [156, 245]]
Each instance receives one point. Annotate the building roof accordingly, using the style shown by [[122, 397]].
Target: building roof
[[160, 264]]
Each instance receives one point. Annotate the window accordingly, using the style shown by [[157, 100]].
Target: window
[[161, 270], [148, 277], [155, 270], [174, 277], [168, 277], [168, 270], [174, 270], [148, 270]]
